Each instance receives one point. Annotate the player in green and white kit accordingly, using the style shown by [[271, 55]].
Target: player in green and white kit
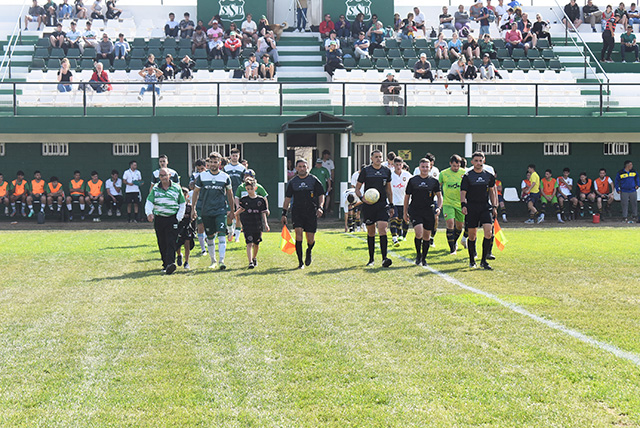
[[450, 180], [213, 190], [235, 170]]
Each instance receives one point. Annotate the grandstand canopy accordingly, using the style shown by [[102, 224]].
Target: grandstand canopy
[[318, 122]]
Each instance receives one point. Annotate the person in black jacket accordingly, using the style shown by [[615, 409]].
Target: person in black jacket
[[334, 58], [186, 67], [572, 10], [391, 90]]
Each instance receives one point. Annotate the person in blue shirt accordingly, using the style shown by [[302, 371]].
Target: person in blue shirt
[[627, 183]]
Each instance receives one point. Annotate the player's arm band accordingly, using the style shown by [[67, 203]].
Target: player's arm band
[[284, 212]]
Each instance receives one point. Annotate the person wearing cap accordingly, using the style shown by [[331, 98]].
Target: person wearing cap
[[326, 26], [334, 58], [249, 30], [232, 46], [422, 68], [376, 36], [361, 46], [171, 28], [267, 44], [267, 68], [215, 45], [628, 43], [323, 175], [186, 26], [74, 37], [251, 67], [487, 69], [390, 89], [333, 38], [263, 26], [198, 40]]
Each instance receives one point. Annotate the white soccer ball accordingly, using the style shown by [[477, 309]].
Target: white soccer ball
[[372, 196]]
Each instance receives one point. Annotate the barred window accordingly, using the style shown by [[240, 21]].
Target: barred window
[[556, 149], [362, 153], [613, 149], [202, 151], [489, 148], [55, 149], [126, 149], [1, 149]]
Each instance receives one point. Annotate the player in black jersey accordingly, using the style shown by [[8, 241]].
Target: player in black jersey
[[479, 201], [253, 214], [421, 189], [308, 198], [378, 177]]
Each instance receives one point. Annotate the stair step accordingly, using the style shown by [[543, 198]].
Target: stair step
[[301, 72], [306, 102], [299, 50], [285, 63], [311, 90], [610, 113], [302, 79], [10, 91], [295, 57], [594, 92], [298, 42], [596, 103], [587, 80]]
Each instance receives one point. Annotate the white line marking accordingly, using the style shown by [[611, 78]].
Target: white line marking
[[630, 356]]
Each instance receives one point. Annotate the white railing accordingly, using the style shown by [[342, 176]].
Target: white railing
[[5, 65]]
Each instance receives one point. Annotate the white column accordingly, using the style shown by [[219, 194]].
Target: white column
[[282, 156], [468, 145]]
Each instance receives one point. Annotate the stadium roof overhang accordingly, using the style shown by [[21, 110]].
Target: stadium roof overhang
[[319, 122]]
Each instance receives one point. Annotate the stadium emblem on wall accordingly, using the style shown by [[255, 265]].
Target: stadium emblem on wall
[[231, 10], [354, 7]]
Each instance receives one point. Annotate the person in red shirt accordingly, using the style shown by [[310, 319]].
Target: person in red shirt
[[232, 46], [100, 79], [585, 192], [603, 188], [326, 26]]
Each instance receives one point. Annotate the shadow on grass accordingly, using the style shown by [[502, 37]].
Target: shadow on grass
[[124, 247], [129, 275]]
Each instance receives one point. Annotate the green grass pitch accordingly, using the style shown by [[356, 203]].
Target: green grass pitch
[[92, 335]]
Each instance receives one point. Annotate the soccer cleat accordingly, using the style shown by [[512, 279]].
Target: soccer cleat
[[109, 213], [431, 243], [418, 260], [485, 266], [82, 218], [91, 210], [464, 242], [255, 262], [423, 263], [307, 258], [171, 269], [222, 265], [491, 257], [504, 218], [118, 213], [186, 266], [473, 265], [370, 263], [13, 213], [301, 266], [251, 266], [30, 213], [396, 243], [540, 218], [214, 265], [453, 253], [179, 260], [386, 263], [529, 221], [139, 97], [203, 253], [560, 220]]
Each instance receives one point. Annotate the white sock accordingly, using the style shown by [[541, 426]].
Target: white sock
[[69, 207], [201, 241], [81, 207], [51, 207], [559, 216], [236, 233], [222, 247], [31, 207], [212, 249]]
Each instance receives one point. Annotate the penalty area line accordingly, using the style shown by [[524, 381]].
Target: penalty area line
[[620, 353]]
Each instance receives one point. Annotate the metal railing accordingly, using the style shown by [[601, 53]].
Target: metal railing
[[339, 95], [5, 64]]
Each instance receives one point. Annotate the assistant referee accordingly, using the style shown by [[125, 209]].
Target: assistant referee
[[165, 207]]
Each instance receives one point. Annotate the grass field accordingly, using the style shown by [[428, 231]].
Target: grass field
[[92, 335]]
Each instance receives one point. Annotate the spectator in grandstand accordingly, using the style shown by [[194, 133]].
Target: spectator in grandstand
[[65, 10], [251, 67], [263, 26], [74, 38], [525, 26], [333, 37], [99, 81], [572, 11], [487, 47], [446, 20], [105, 49], [585, 192], [150, 76], [397, 22], [36, 13], [461, 18], [507, 19], [361, 47], [633, 14], [422, 68], [301, 16], [456, 72], [94, 195], [65, 76], [132, 178], [408, 28], [334, 59], [627, 183], [76, 194], [592, 14], [112, 11], [455, 46], [487, 69], [4, 194], [114, 194], [499, 11], [358, 26], [171, 28], [249, 30], [215, 45], [390, 89], [606, 16], [89, 38], [603, 188], [549, 195], [628, 43], [51, 15], [81, 11], [513, 39], [471, 48], [168, 69], [36, 193], [480, 14], [267, 44], [186, 68], [608, 41], [621, 13], [186, 27], [267, 68], [542, 29], [18, 190], [199, 40], [233, 46], [57, 38], [151, 61], [342, 27], [376, 36], [121, 47], [470, 71], [55, 192], [565, 194], [442, 47], [326, 26], [98, 10], [420, 20]]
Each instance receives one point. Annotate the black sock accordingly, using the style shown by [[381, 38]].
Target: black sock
[[383, 246], [425, 249], [310, 247], [471, 246], [405, 228], [299, 251], [451, 239], [466, 233], [456, 234], [433, 233], [487, 243], [371, 241], [418, 243], [544, 208], [393, 227]]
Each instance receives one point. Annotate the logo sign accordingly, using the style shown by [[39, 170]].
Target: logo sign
[[354, 7], [231, 10], [405, 154]]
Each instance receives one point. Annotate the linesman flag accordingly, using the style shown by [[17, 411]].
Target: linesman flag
[[287, 243], [500, 239]]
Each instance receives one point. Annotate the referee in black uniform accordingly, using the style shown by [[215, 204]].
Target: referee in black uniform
[[308, 199], [378, 177], [479, 201]]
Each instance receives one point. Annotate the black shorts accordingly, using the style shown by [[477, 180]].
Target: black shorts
[[398, 211], [131, 197], [424, 217], [477, 216], [76, 197], [252, 237], [374, 213], [308, 220]]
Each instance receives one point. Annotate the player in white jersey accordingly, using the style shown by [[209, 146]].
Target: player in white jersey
[[399, 180], [235, 170]]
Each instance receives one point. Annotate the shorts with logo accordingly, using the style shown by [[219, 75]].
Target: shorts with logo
[[425, 217], [215, 224], [477, 215], [306, 219], [453, 212], [374, 213], [252, 236], [132, 197]]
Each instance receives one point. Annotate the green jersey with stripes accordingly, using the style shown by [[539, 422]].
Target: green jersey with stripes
[[236, 173], [450, 183], [213, 193], [166, 202]]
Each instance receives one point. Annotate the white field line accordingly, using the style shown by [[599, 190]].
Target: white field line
[[630, 356]]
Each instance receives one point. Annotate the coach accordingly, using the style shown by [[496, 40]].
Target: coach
[[165, 207]]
